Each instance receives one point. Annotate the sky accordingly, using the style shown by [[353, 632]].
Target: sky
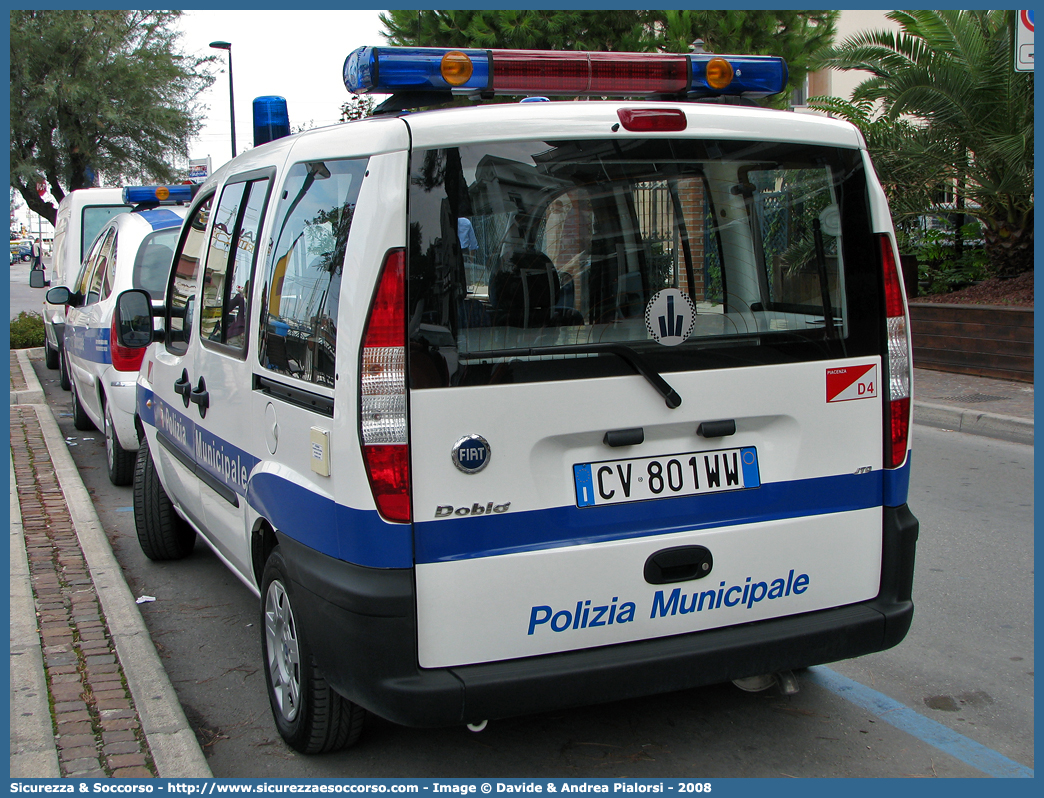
[[294, 54]]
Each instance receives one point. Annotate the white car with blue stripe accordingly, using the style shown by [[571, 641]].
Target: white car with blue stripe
[[132, 250], [506, 408]]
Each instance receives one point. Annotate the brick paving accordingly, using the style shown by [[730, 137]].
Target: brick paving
[[18, 382], [96, 728]]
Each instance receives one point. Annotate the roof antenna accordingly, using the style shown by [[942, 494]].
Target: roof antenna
[[697, 47]]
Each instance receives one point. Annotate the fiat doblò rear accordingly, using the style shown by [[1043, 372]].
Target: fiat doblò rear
[[521, 406]]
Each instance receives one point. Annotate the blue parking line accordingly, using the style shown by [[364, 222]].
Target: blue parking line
[[935, 734]]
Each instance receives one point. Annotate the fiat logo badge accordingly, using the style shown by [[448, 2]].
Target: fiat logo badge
[[471, 454]]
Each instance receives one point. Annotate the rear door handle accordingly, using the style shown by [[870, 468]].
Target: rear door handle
[[201, 397], [678, 564], [183, 386]]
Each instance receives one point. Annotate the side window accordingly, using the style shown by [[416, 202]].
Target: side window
[[230, 263], [302, 282], [108, 273], [183, 278], [97, 268], [83, 274]]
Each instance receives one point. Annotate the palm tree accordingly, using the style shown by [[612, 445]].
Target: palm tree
[[943, 107]]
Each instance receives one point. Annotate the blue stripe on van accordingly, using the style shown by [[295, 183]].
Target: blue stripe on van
[[364, 538], [897, 484], [357, 536], [505, 533], [88, 343]]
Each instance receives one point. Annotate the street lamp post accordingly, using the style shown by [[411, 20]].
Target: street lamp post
[[231, 100]]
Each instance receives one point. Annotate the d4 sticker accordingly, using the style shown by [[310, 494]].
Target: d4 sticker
[[670, 317], [851, 382]]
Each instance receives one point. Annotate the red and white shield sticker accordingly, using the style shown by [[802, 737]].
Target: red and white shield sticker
[[851, 382]]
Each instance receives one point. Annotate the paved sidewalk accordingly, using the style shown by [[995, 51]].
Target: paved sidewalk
[[976, 405], [89, 696]]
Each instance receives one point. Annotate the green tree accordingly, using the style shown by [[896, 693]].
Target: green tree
[[944, 108], [358, 106], [794, 35], [98, 92]]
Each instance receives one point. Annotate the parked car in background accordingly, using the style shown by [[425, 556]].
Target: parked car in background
[[21, 249], [133, 250]]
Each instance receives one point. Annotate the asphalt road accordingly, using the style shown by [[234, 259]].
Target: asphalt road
[[966, 666], [22, 296]]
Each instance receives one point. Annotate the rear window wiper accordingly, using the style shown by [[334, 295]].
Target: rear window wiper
[[625, 353]]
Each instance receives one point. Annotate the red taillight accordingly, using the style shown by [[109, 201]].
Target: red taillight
[[388, 467], [124, 358], [533, 72], [382, 393], [644, 120], [898, 361]]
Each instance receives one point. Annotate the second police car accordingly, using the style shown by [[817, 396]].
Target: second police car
[[81, 215], [132, 250], [514, 407]]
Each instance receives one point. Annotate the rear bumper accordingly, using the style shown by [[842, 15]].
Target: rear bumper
[[361, 625], [54, 333]]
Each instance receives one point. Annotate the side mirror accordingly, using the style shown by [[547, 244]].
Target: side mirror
[[37, 279], [134, 319], [58, 296]]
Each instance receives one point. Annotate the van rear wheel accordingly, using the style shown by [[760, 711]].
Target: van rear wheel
[[310, 715], [119, 461], [162, 533], [63, 371], [81, 420]]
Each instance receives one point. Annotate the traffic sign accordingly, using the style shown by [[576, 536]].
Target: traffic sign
[[1024, 41]]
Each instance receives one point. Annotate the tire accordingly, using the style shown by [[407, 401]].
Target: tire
[[63, 374], [119, 461], [162, 533], [80, 418], [311, 717], [50, 356]]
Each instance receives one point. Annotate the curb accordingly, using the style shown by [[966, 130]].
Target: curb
[[973, 422], [175, 750], [33, 393]]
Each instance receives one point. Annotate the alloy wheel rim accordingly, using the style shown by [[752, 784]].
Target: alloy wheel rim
[[110, 451], [283, 652]]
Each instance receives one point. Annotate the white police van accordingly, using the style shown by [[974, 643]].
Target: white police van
[[537, 404], [133, 250]]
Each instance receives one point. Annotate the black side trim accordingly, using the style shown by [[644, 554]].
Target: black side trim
[[174, 449], [323, 405], [220, 488]]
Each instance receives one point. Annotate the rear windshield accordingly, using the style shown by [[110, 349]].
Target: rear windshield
[[152, 263], [526, 259]]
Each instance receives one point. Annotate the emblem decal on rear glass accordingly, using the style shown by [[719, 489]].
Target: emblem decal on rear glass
[[471, 454], [670, 316]]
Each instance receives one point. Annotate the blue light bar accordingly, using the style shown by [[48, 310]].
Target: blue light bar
[[753, 75], [388, 70], [165, 195], [397, 70], [271, 119]]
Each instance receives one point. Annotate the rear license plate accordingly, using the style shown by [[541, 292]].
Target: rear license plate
[[644, 478]]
